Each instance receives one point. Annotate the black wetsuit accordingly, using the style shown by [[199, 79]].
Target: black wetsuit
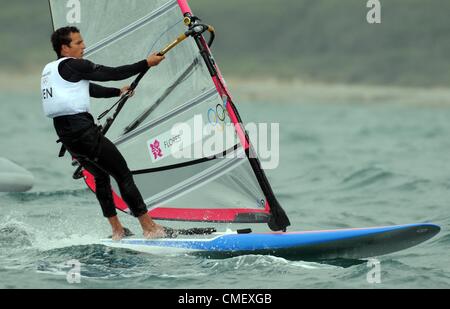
[[84, 140]]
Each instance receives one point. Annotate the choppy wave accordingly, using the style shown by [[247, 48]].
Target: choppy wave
[[414, 185], [14, 235], [297, 136], [32, 196], [366, 177], [443, 241]]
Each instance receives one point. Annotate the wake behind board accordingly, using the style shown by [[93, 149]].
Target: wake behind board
[[306, 245]]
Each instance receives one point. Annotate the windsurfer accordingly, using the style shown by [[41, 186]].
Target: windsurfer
[[66, 89]]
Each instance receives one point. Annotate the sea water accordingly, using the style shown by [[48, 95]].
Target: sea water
[[341, 165]]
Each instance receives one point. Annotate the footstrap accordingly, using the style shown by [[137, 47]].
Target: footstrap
[[173, 233]]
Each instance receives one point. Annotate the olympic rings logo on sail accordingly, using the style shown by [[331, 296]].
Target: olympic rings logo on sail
[[217, 116]]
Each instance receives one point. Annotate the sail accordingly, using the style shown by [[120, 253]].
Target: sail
[[225, 183]]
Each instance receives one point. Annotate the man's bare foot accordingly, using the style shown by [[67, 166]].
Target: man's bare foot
[[157, 232], [117, 229], [118, 234], [150, 228]]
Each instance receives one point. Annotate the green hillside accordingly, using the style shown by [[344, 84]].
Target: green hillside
[[318, 40], [331, 40], [25, 35]]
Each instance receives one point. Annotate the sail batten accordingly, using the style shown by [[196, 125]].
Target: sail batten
[[182, 108], [130, 28], [184, 164], [197, 181], [166, 93]]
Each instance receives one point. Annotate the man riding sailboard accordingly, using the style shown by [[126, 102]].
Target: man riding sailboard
[[66, 89]]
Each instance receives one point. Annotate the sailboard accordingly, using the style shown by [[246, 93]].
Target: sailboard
[[220, 184], [307, 245]]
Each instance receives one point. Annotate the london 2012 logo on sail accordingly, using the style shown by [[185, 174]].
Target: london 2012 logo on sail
[[156, 150], [162, 146]]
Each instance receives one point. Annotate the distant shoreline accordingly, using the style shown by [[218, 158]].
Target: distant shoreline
[[283, 91], [274, 90]]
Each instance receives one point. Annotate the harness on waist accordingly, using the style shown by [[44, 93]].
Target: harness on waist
[[85, 146]]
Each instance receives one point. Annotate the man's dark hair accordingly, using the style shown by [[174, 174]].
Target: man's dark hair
[[62, 37]]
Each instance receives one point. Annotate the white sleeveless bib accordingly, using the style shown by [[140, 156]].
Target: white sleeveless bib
[[60, 97]]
